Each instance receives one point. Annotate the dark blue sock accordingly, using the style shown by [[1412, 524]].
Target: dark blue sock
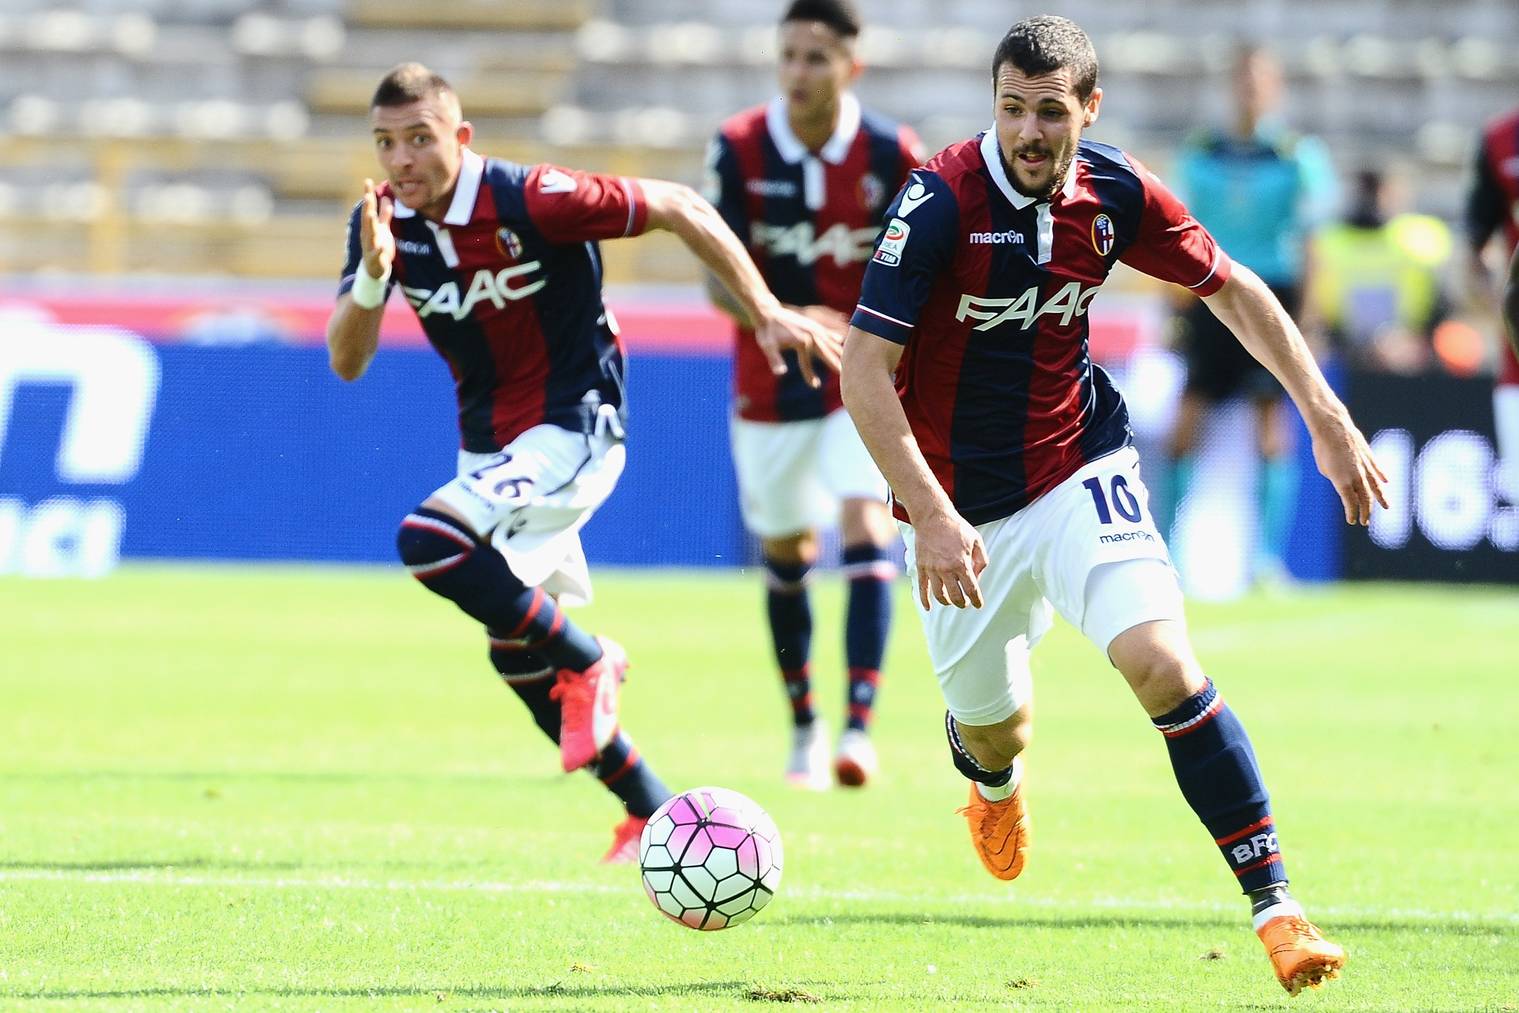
[[791, 632], [530, 676], [626, 774], [451, 562], [1220, 779], [867, 620]]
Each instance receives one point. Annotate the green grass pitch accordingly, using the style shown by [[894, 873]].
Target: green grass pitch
[[305, 790]]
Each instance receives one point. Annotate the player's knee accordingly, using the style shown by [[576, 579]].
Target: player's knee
[[428, 540], [799, 549], [1161, 673]]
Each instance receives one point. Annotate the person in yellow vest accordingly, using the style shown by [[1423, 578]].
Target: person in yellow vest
[[1377, 285]]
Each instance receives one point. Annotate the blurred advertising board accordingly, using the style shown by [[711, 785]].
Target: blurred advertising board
[[1450, 520]]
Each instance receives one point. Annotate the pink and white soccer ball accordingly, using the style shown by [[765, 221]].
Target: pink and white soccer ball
[[711, 858]]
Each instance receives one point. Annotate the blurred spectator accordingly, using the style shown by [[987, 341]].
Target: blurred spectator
[[1493, 202], [1259, 188], [1377, 284]]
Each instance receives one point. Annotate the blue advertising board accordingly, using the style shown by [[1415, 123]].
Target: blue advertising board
[[114, 447]]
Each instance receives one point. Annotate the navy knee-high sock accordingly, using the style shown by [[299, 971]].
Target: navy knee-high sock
[[1216, 769], [867, 620], [790, 615], [451, 562], [620, 766]]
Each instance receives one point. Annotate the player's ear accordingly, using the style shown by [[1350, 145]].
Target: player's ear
[[856, 68], [1089, 111], [466, 132]]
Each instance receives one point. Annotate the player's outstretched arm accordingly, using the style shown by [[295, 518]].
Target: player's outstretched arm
[[353, 330], [1247, 307], [681, 210], [949, 553]]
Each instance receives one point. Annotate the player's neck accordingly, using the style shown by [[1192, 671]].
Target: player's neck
[[436, 211], [815, 130]]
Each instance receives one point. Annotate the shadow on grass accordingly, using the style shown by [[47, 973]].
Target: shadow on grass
[[560, 989], [1456, 926]]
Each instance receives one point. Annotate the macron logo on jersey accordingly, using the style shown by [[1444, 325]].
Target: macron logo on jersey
[[1066, 304], [554, 181], [917, 194], [996, 238]]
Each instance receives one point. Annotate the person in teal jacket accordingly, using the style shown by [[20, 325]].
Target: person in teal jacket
[[1260, 189]]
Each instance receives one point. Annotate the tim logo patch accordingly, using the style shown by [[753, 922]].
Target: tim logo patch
[[890, 250], [1103, 235]]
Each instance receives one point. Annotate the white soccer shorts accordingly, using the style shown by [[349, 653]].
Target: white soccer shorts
[[1088, 549], [793, 476], [534, 497]]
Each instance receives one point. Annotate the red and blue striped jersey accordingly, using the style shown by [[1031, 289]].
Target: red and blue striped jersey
[[1493, 203], [508, 290], [988, 290], [810, 221]]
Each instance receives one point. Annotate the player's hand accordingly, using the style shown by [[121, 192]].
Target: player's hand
[[784, 329], [1344, 458], [376, 240], [949, 555]]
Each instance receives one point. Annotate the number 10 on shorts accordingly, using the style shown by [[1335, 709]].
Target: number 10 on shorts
[[1122, 498]]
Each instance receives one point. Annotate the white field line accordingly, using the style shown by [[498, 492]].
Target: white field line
[[166, 876]]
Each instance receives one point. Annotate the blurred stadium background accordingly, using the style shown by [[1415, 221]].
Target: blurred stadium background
[[174, 176], [298, 786]]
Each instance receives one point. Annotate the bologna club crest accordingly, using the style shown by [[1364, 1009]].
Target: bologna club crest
[[1103, 235], [508, 243], [872, 191]]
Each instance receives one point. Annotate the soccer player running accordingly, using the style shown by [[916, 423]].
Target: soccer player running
[[1008, 451], [1491, 203], [805, 179], [501, 264]]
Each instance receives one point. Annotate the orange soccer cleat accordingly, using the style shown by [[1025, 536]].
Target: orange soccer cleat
[[999, 831], [625, 838], [1300, 955]]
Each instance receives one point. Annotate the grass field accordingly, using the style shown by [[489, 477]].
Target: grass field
[[299, 789]]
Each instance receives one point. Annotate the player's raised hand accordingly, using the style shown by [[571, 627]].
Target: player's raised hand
[[949, 556], [1344, 458], [784, 329], [375, 238]]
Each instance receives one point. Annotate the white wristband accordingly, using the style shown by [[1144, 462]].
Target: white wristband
[[368, 291]]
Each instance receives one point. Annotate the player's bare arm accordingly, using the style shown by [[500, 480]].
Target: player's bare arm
[[353, 331], [1263, 326], [681, 210], [950, 554]]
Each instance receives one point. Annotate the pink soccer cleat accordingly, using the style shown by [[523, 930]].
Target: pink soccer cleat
[[625, 837], [588, 706]]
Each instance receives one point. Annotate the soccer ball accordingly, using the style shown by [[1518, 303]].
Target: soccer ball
[[711, 858]]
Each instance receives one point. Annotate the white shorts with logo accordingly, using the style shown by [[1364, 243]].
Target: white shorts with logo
[[534, 497], [1088, 549], [793, 476]]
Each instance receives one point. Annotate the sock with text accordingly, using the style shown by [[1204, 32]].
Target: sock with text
[[1219, 777]]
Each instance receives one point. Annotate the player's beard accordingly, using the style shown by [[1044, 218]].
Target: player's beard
[[1057, 174]]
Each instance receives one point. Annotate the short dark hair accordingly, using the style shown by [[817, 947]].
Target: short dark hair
[[839, 15], [407, 83], [1048, 43]]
